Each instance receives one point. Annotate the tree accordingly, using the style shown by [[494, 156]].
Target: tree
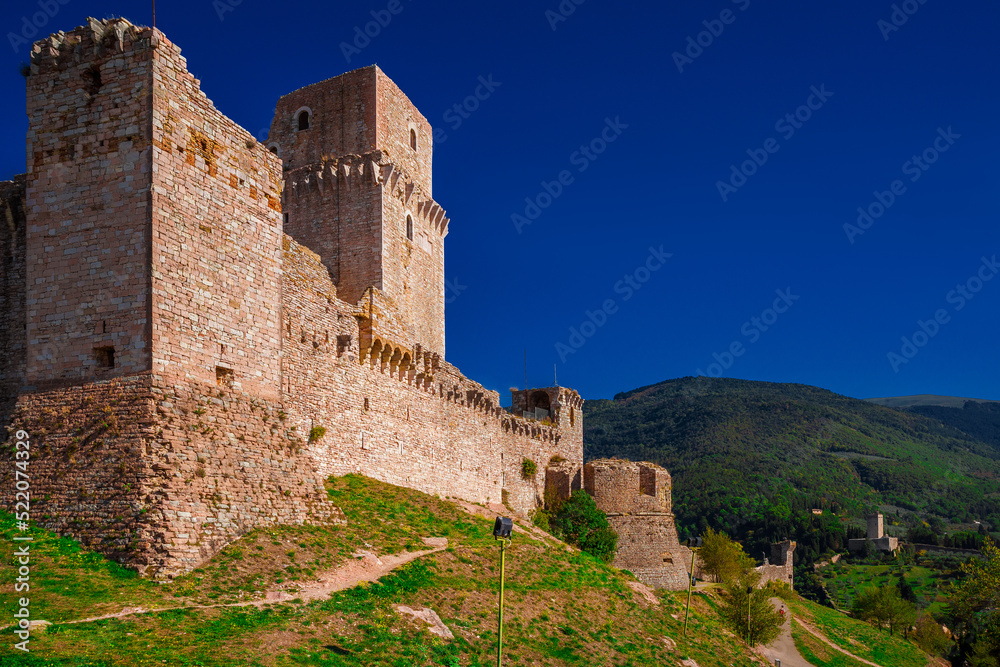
[[747, 610], [975, 608], [930, 636], [905, 590], [883, 608], [579, 522], [721, 558]]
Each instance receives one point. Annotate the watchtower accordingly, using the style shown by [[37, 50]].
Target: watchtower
[[876, 526], [358, 192]]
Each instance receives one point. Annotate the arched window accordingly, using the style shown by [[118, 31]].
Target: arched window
[[273, 149], [303, 120], [413, 139], [409, 228]]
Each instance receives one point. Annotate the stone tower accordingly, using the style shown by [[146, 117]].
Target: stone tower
[[876, 527], [637, 499], [357, 159], [142, 196]]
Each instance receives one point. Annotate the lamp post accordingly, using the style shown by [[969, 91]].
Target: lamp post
[[693, 544], [501, 532], [749, 602]]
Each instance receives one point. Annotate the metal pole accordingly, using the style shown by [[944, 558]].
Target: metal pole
[[690, 586], [749, 600], [503, 546]]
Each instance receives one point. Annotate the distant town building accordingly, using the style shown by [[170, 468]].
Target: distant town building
[[876, 535]]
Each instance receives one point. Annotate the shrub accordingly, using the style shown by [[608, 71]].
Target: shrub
[[541, 518], [315, 433], [528, 468], [579, 522], [742, 594], [722, 558]]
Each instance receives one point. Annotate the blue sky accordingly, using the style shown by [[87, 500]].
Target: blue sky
[[646, 142]]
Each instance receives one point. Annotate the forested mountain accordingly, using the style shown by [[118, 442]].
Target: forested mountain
[[753, 458], [976, 419]]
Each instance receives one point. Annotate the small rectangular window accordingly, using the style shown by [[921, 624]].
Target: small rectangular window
[[105, 356], [223, 376]]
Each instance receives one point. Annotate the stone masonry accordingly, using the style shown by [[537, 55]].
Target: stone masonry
[[637, 499], [198, 328], [875, 535]]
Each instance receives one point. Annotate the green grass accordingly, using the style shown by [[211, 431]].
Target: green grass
[[563, 607], [819, 654], [858, 638], [930, 577]]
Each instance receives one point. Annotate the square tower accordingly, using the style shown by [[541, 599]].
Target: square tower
[[154, 227], [357, 160]]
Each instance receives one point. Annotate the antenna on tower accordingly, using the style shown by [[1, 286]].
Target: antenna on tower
[[526, 378], [555, 376], [154, 14]]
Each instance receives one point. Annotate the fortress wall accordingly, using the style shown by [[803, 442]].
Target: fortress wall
[[88, 190], [648, 548], [636, 498], [439, 433], [224, 462], [414, 269], [334, 208], [13, 342], [217, 233], [397, 116], [159, 473], [87, 464]]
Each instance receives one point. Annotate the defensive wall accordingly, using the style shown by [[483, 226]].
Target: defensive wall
[[186, 370], [637, 499]]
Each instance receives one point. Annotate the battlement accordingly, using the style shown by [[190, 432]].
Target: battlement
[[95, 41], [625, 487], [218, 367]]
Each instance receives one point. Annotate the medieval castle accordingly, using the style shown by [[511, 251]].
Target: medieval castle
[[198, 328]]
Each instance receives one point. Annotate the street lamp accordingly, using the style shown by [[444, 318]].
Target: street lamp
[[749, 602], [501, 532], [693, 544]]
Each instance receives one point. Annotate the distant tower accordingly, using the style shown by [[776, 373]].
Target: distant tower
[[357, 160], [876, 527], [781, 552]]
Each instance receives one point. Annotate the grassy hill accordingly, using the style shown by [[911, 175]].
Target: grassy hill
[[753, 458], [563, 607]]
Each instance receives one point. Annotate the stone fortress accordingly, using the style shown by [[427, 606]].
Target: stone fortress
[[199, 328], [874, 535]]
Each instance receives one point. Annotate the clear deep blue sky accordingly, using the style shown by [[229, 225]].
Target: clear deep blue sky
[[656, 184]]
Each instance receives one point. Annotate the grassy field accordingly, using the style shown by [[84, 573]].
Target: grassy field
[[853, 636], [562, 607], [930, 578]]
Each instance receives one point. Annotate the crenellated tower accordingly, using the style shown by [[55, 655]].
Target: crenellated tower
[[357, 160]]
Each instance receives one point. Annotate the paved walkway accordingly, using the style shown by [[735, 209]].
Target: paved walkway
[[783, 647]]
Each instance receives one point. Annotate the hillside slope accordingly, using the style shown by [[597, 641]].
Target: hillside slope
[[751, 456], [563, 607]]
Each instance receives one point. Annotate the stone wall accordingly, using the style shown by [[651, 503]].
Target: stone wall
[[780, 566], [216, 250], [636, 498], [88, 193], [13, 343], [397, 415], [159, 474]]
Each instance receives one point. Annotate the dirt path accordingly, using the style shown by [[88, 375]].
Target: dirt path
[[783, 648], [820, 636], [366, 567]]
